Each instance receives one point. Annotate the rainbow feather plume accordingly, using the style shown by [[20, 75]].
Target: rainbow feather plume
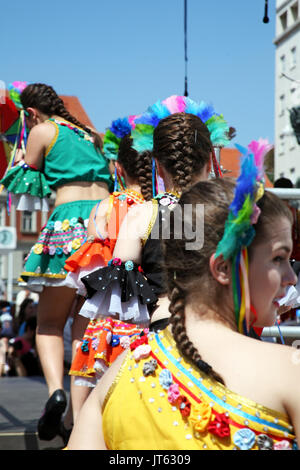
[[239, 230], [218, 128]]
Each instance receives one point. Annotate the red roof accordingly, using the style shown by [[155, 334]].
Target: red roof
[[230, 163]]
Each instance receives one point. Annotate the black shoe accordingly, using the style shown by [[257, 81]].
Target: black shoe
[[48, 424], [64, 433]]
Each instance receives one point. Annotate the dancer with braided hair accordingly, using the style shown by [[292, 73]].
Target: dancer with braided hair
[[204, 383], [182, 146], [62, 155], [95, 353]]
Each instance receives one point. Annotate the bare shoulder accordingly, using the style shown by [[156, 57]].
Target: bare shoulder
[[43, 132]]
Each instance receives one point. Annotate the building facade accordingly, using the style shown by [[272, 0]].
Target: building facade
[[287, 88]]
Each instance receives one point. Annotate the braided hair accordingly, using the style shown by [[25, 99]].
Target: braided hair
[[137, 165], [45, 99], [188, 276], [181, 143]]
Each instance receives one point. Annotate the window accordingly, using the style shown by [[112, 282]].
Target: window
[[283, 21], [281, 105], [294, 11], [28, 222], [282, 64], [293, 57]]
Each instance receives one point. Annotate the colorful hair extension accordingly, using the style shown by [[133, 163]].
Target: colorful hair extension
[[239, 231]]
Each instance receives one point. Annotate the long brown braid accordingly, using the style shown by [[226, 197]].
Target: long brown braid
[[181, 143], [138, 166], [187, 272], [44, 98]]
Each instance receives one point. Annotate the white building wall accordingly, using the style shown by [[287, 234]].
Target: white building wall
[[287, 87]]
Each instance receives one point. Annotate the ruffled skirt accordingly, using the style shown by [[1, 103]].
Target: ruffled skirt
[[103, 342], [64, 233]]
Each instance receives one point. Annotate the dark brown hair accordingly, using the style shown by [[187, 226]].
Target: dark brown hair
[[181, 143], [187, 271], [44, 98], [137, 165]]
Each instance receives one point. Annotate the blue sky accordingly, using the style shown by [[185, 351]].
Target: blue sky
[[120, 56]]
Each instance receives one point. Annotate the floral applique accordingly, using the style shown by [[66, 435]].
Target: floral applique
[[244, 439], [184, 406], [200, 416], [220, 425], [282, 445], [264, 442]]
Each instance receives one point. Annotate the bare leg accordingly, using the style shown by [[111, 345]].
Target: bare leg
[[54, 307], [78, 393]]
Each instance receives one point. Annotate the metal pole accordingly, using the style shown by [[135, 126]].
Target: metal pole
[[286, 331], [185, 49]]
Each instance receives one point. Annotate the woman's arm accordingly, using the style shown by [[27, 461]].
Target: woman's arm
[[133, 229], [87, 433], [39, 139]]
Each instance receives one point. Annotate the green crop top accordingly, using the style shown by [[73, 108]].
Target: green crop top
[[71, 156]]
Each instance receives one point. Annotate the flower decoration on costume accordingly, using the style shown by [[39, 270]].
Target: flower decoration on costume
[[76, 244], [57, 225], [244, 439], [59, 251], [200, 416], [65, 225], [220, 425], [52, 250], [38, 249], [264, 442], [115, 341], [125, 342], [282, 445], [173, 393], [142, 352], [50, 225], [117, 262], [129, 265], [45, 250], [85, 346], [165, 379], [138, 342], [184, 406], [149, 367], [66, 250]]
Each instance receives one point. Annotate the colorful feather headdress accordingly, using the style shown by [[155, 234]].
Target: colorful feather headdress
[[142, 134], [239, 227], [113, 135]]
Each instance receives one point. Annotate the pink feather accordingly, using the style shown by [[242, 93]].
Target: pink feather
[[175, 104], [259, 148]]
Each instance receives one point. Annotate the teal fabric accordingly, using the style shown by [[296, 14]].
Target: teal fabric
[[21, 179], [64, 233], [73, 157]]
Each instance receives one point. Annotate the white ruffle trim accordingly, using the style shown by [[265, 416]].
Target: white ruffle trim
[[37, 284], [108, 304], [26, 202], [73, 278]]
